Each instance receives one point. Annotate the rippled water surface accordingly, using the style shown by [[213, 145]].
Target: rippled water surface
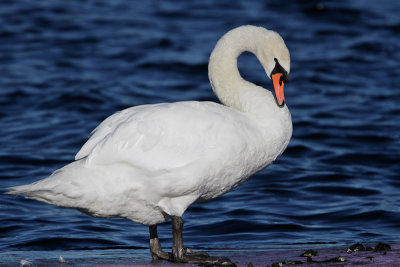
[[67, 65]]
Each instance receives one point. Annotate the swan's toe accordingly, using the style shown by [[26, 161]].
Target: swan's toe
[[191, 252], [161, 255]]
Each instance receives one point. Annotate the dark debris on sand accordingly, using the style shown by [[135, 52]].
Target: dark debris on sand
[[382, 247], [356, 259], [218, 264], [309, 253]]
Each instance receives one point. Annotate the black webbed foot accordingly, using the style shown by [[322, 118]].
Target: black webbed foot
[[186, 255], [202, 259]]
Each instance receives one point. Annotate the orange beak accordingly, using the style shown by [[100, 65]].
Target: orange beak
[[278, 87]]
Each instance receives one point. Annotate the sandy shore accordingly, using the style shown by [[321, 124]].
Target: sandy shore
[[285, 256]]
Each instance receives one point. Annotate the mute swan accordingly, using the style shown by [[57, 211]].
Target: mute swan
[[149, 163]]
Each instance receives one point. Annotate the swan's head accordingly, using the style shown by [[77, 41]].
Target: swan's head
[[275, 58], [269, 48]]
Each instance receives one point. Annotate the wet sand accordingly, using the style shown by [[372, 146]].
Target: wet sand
[[285, 256]]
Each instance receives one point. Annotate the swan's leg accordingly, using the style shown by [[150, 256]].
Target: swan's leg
[[155, 248], [181, 254]]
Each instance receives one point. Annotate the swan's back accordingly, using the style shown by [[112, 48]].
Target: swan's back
[[167, 136]]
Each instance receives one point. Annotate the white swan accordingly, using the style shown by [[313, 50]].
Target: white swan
[[149, 163]]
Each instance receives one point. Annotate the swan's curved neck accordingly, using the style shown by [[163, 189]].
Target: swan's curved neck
[[223, 72], [273, 121]]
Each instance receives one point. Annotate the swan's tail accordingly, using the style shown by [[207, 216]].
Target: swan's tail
[[86, 188], [61, 188], [19, 190], [36, 191]]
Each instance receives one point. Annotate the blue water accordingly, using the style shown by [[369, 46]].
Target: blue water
[[67, 65]]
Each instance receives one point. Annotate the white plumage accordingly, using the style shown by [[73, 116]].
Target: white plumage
[[150, 162]]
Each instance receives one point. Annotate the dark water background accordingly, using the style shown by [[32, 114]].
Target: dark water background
[[67, 65]]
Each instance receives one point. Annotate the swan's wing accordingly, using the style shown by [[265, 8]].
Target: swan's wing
[[107, 127], [162, 137]]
